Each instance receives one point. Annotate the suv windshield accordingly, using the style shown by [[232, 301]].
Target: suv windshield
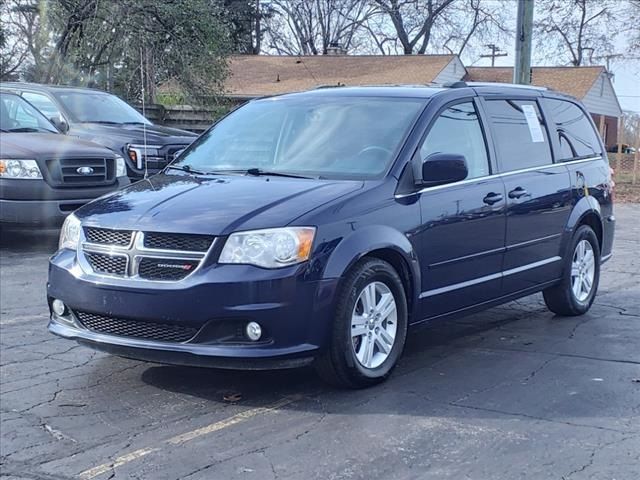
[[96, 107], [339, 137], [18, 115]]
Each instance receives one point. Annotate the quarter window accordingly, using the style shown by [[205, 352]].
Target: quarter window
[[574, 130], [519, 135], [457, 130]]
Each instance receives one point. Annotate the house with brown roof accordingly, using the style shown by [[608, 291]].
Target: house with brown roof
[[259, 75], [591, 85]]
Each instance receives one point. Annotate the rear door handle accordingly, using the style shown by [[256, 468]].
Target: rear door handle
[[492, 198], [518, 192]]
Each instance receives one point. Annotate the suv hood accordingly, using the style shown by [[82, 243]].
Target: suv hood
[[122, 134], [214, 205], [50, 145]]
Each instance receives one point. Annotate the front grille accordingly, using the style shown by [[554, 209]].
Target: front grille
[[78, 172], [177, 241], [106, 236], [166, 269], [109, 264], [134, 328]]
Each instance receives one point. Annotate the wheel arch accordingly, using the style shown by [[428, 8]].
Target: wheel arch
[[586, 212], [384, 243]]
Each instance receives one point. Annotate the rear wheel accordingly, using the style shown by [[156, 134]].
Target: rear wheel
[[577, 290], [369, 329]]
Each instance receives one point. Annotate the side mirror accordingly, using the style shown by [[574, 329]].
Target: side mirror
[[60, 124], [441, 168]]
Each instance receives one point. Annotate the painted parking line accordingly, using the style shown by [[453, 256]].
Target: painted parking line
[[188, 436]]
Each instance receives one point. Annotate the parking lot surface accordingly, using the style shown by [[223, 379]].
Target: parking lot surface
[[513, 392]]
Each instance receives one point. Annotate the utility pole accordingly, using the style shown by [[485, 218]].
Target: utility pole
[[495, 52], [524, 29]]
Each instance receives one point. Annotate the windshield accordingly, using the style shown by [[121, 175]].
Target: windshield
[[96, 107], [18, 115], [348, 137]]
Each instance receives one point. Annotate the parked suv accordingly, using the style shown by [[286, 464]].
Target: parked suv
[[106, 119], [45, 175], [324, 226]]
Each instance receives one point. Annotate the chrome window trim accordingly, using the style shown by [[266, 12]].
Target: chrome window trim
[[488, 278], [134, 253], [496, 175]]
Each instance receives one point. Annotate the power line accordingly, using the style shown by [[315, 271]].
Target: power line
[[495, 52]]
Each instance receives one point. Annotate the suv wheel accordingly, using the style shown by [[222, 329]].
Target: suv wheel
[[581, 275], [370, 327]]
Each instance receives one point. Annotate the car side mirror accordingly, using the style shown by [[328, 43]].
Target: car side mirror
[[60, 124], [441, 168]]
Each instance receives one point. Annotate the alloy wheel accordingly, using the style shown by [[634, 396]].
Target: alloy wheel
[[374, 324], [582, 270]]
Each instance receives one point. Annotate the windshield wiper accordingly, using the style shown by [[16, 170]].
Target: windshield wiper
[[28, 129], [257, 172], [188, 169], [134, 123], [104, 122]]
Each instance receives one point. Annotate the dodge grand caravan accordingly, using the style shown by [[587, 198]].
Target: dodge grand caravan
[[324, 226]]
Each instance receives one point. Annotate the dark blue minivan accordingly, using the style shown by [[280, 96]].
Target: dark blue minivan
[[321, 227]]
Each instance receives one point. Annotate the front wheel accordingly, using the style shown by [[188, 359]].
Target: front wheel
[[370, 327], [577, 289]]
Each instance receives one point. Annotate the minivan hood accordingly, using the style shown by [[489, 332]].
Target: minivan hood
[[214, 205], [50, 145]]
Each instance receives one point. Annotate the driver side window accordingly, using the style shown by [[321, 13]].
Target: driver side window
[[457, 130]]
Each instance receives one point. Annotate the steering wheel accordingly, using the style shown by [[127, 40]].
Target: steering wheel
[[373, 148]]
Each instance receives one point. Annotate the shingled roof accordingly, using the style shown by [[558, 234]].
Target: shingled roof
[[576, 81], [252, 75]]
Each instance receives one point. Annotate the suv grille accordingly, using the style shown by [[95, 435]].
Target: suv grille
[[105, 236], [177, 241], [150, 256], [112, 265], [78, 172], [134, 328]]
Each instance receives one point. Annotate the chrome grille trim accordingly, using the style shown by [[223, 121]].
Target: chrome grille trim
[[135, 252]]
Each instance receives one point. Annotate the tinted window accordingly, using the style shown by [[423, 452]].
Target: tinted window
[[42, 103], [575, 133], [457, 130], [325, 136], [519, 134]]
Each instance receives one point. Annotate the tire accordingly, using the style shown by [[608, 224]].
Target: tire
[[566, 298], [359, 361]]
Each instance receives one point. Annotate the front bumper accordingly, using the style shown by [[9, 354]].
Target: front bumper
[[294, 313], [38, 212]]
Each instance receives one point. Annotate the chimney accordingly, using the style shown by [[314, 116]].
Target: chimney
[[336, 48]]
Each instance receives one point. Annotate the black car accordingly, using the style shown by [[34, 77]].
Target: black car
[[44, 175], [106, 119], [325, 226]]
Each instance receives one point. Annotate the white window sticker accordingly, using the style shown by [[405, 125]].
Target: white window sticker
[[534, 125]]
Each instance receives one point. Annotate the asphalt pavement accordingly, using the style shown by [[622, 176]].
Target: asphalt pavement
[[513, 392]]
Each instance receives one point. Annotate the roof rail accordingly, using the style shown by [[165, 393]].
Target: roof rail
[[458, 84], [320, 87], [502, 84]]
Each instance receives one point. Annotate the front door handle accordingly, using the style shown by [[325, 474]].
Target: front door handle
[[492, 198], [518, 192]]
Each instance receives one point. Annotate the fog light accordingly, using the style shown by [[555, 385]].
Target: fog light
[[59, 308], [254, 331]]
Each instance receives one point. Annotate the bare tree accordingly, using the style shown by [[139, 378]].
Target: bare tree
[[576, 31], [310, 27], [633, 13]]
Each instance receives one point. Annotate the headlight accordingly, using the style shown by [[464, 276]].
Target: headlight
[[121, 167], [137, 153], [27, 169], [271, 248], [70, 233]]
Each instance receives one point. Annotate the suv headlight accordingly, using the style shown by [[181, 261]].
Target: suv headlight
[[70, 233], [270, 248], [138, 153], [121, 167], [27, 169]]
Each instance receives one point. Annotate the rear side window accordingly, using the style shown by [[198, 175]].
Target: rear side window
[[457, 130], [519, 135], [575, 133]]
